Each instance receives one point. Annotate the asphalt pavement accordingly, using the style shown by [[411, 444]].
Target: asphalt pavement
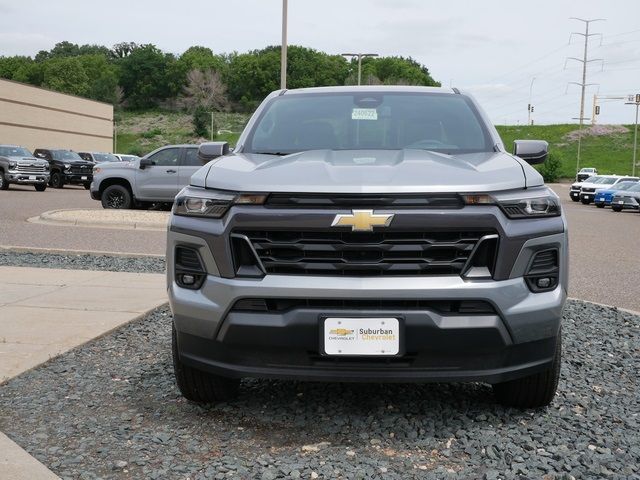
[[604, 265]]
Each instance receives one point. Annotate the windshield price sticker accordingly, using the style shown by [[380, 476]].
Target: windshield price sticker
[[364, 114]]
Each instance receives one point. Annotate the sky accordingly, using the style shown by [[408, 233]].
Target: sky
[[498, 50]]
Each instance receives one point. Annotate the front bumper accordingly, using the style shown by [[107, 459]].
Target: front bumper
[[27, 178], [574, 194], [587, 196], [77, 178], [517, 339]]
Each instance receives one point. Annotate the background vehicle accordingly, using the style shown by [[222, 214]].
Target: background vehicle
[[19, 166], [588, 190], [154, 178], [574, 190], [626, 200], [126, 158], [98, 157], [348, 217], [66, 166], [604, 196], [585, 173]]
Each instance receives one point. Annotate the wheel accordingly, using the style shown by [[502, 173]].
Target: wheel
[[600, 205], [199, 386], [4, 185], [41, 187], [57, 180], [575, 199], [535, 390], [615, 208], [116, 196], [585, 201], [87, 185]]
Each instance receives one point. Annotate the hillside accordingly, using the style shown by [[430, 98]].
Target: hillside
[[606, 147]]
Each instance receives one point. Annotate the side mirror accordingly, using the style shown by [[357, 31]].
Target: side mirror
[[210, 150], [145, 162], [531, 151]]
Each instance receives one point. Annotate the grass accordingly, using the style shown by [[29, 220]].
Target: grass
[[609, 148], [605, 147]]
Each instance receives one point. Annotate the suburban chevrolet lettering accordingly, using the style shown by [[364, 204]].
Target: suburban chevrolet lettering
[[368, 234]]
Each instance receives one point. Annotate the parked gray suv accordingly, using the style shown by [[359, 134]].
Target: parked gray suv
[[20, 167], [369, 234], [154, 178]]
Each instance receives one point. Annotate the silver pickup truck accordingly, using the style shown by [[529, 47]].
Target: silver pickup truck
[[155, 178], [369, 234], [20, 167]]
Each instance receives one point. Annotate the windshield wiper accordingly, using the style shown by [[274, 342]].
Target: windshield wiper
[[281, 154]]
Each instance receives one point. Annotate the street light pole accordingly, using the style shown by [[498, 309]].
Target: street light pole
[[635, 133], [360, 56], [283, 48], [530, 108]]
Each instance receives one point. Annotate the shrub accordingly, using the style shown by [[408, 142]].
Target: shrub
[[550, 170], [201, 120]]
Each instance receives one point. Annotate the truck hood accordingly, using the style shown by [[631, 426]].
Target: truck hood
[[367, 171]]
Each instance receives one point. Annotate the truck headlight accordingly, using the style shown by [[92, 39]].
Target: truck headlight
[[67, 166], [200, 202], [13, 164], [536, 202]]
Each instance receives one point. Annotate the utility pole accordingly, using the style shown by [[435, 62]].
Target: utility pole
[[360, 56], [583, 85], [283, 47], [530, 107], [595, 111], [635, 133]]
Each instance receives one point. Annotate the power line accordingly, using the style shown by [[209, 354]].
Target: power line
[[585, 61]]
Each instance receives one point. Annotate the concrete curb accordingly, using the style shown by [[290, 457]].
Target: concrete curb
[[60, 251], [93, 220], [620, 309]]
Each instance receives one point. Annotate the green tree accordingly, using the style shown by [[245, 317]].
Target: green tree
[[146, 77], [201, 58], [66, 75], [200, 122], [10, 65], [393, 71], [102, 76], [60, 50]]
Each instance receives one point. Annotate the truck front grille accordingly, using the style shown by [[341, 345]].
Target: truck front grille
[[361, 254], [27, 168], [81, 169]]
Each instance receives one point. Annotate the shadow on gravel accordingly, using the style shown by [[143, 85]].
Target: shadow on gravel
[[110, 409]]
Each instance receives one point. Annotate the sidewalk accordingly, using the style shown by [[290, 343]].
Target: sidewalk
[[46, 312]]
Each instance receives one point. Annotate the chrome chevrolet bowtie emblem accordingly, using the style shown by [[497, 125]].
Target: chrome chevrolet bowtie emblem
[[362, 220]]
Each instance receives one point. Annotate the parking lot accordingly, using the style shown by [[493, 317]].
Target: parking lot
[[603, 244]]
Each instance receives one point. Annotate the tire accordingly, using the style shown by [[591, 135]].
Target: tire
[[585, 201], [116, 196], [4, 185], [616, 208], [41, 187], [198, 386], [57, 180], [87, 185], [535, 390], [600, 205]]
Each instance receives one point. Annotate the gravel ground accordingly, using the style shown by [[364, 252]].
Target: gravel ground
[[84, 262], [110, 409]]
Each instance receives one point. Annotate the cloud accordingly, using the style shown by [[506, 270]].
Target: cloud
[[18, 43]]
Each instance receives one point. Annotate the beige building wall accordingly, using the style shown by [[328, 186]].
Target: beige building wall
[[35, 117]]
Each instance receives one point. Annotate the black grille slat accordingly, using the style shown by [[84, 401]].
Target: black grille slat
[[364, 253], [188, 259], [31, 168], [471, 307], [544, 262]]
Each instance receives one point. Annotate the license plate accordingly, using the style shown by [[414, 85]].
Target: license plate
[[361, 336], [32, 177], [83, 178], [620, 202]]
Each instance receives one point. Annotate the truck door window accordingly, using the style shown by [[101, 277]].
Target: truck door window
[[166, 158]]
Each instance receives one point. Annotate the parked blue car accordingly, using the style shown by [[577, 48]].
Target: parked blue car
[[604, 196]]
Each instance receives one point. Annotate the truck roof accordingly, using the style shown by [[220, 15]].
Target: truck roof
[[371, 88]]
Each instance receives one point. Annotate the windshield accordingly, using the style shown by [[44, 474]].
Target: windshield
[[15, 152], [634, 188], [587, 170], [607, 181], [65, 155], [625, 185], [105, 157], [443, 123]]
